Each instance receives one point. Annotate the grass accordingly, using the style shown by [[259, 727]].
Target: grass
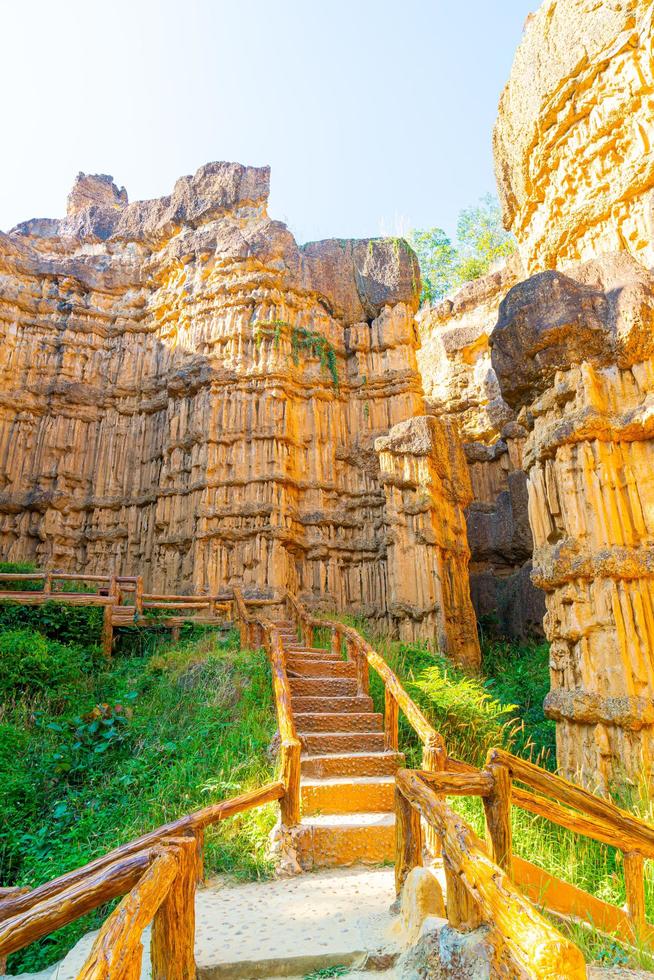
[[502, 706], [108, 754]]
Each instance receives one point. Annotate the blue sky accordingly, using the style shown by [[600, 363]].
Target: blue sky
[[375, 115]]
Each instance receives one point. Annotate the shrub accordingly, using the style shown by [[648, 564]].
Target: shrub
[[55, 620], [31, 663]]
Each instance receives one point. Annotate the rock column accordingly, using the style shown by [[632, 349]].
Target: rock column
[[427, 488], [575, 356]]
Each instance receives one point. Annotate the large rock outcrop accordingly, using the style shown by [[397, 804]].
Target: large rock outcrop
[[572, 351], [574, 355], [462, 389], [186, 392], [574, 133]]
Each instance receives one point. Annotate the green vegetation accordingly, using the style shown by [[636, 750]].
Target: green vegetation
[[91, 757], [303, 341], [481, 241]]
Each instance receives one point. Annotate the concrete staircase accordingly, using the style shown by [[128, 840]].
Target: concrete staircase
[[347, 775]]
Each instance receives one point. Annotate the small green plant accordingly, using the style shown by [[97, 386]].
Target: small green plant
[[326, 972], [316, 345]]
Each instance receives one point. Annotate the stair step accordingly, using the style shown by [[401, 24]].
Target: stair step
[[349, 721], [350, 794], [323, 687], [326, 743], [344, 839], [351, 764], [357, 703], [312, 652], [320, 668]]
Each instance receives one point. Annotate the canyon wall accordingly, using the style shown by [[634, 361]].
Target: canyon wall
[[572, 351], [462, 389], [186, 392], [573, 137]]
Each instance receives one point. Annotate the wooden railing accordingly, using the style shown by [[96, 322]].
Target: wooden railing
[[396, 698], [546, 795], [479, 890], [157, 873], [555, 799]]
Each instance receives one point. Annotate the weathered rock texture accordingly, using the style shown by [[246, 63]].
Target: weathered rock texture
[[574, 132], [425, 478], [186, 392], [461, 387], [574, 355]]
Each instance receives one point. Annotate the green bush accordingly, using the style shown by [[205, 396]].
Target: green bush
[[90, 765], [55, 620], [31, 663]]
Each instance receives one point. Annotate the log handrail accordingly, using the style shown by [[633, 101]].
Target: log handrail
[[428, 735], [164, 895], [478, 890], [28, 915]]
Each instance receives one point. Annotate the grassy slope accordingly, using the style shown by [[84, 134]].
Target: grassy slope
[[198, 720]]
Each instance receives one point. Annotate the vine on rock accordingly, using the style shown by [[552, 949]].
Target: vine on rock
[[303, 340]]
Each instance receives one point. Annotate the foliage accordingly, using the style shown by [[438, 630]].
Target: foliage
[[518, 674], [150, 738], [55, 620], [480, 242], [327, 972], [19, 585], [303, 340], [314, 344], [31, 664], [437, 258]]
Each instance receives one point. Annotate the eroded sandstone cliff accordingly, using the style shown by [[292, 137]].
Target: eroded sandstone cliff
[[187, 392], [573, 137], [585, 341], [573, 353], [461, 387]]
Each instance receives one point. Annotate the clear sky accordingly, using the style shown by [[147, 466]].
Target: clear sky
[[375, 115]]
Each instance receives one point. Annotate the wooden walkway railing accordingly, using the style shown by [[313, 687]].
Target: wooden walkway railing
[[157, 872], [546, 795], [479, 890]]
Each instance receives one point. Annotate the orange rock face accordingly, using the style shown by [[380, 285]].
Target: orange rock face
[[575, 355], [574, 132], [186, 391]]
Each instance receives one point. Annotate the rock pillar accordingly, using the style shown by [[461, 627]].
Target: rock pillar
[[427, 488], [575, 355]]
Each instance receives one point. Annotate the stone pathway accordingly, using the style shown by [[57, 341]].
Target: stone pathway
[[280, 928]]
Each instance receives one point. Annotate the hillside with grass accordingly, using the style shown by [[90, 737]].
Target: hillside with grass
[[94, 754]]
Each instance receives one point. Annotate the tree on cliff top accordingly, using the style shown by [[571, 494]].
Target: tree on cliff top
[[480, 242]]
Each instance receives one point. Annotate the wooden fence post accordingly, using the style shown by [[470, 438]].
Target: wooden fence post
[[307, 632], [138, 595], [462, 912], [173, 927], [336, 642], [434, 759], [391, 722], [634, 866], [108, 631], [497, 808], [290, 802], [47, 584], [408, 839], [361, 661]]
